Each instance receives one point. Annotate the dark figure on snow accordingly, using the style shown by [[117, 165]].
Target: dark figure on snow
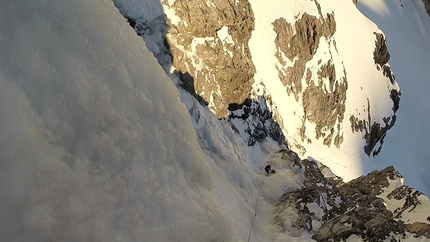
[[267, 169]]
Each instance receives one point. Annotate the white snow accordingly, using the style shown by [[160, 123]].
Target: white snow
[[95, 142], [350, 49], [224, 36], [411, 215], [226, 39]]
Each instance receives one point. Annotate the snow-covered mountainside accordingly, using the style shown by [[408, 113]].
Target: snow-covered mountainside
[[406, 25], [329, 85], [95, 144], [321, 67], [99, 142]]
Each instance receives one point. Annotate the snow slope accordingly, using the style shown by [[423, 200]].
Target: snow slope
[[350, 49], [407, 28], [95, 144]]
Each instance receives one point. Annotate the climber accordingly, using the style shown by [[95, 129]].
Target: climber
[[269, 170]]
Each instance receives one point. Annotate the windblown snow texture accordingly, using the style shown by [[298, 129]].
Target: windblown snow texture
[[95, 142]]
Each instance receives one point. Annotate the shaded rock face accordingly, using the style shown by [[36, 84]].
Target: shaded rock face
[[331, 210], [314, 202], [369, 220], [363, 214], [421, 229], [256, 120], [374, 132], [210, 42], [427, 6], [323, 93], [380, 54]]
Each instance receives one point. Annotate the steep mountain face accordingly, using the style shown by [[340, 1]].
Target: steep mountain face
[[406, 26], [332, 86], [311, 75], [328, 88], [208, 42], [205, 48]]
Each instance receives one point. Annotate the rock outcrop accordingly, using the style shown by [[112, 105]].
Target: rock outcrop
[[313, 204], [427, 6], [374, 207], [375, 132], [323, 105], [254, 122], [204, 47], [209, 40], [364, 213]]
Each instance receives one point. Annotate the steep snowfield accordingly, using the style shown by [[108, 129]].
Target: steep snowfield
[[350, 49], [95, 142], [407, 28]]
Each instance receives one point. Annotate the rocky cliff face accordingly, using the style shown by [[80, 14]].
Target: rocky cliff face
[[319, 82], [209, 40], [323, 107], [204, 46], [374, 207], [220, 54]]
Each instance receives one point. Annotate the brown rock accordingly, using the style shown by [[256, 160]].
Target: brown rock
[[222, 72], [420, 229], [324, 106]]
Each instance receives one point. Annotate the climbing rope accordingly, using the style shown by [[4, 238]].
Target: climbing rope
[[255, 209]]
